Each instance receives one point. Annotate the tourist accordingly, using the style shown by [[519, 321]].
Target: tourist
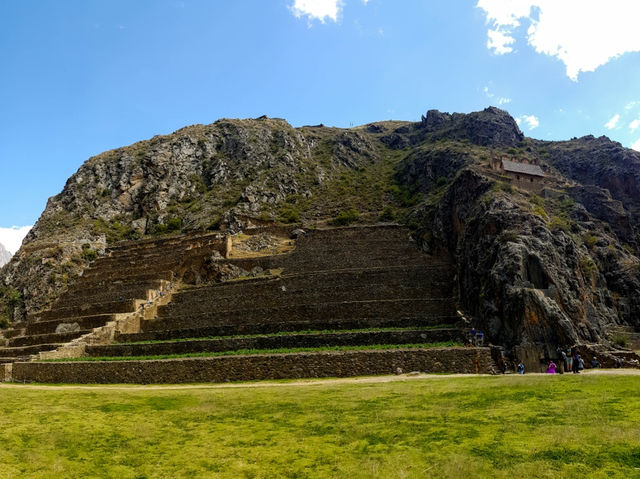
[[595, 363], [575, 363], [479, 338], [569, 360], [472, 335], [552, 367], [580, 363], [618, 362], [563, 362], [502, 364], [520, 368]]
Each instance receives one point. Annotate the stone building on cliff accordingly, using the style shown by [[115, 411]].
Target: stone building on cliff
[[525, 174]]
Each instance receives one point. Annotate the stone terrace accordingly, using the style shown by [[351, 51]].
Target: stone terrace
[[115, 285], [339, 287]]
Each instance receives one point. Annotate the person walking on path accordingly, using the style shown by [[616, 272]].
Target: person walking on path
[[520, 368]]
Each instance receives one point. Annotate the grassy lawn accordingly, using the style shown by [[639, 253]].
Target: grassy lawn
[[508, 426]]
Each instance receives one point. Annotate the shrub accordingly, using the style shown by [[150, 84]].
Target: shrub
[[289, 214], [558, 223], [174, 224], [441, 181], [536, 200], [620, 340], [539, 210], [589, 268], [387, 214], [590, 240], [159, 229], [345, 217], [89, 254], [215, 223]]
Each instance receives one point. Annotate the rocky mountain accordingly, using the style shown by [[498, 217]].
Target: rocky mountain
[[5, 256], [538, 266]]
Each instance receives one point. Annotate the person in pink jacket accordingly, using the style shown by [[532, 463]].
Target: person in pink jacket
[[552, 368]]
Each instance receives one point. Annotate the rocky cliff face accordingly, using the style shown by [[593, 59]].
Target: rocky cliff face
[[535, 270], [5, 256]]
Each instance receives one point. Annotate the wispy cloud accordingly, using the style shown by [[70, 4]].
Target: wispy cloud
[[583, 34], [633, 126], [501, 100], [317, 9], [530, 120], [11, 238], [611, 124]]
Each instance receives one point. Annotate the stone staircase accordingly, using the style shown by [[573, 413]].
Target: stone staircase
[[339, 291]]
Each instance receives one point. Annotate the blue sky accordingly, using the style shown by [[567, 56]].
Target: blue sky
[[83, 76]]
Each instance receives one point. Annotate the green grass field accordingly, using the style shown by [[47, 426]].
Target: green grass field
[[505, 426]]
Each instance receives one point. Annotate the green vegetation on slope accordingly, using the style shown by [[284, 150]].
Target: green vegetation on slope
[[504, 427]]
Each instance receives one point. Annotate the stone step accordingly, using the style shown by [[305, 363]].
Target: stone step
[[260, 367], [299, 340], [24, 351], [278, 294], [84, 322], [13, 332], [117, 277], [39, 339], [82, 288], [200, 238], [432, 307], [313, 281], [113, 307], [125, 292], [294, 264], [275, 326], [158, 257]]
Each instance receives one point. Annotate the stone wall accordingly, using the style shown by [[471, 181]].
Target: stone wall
[[276, 342], [246, 368]]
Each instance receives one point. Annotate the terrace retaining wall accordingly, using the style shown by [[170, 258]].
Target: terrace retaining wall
[[246, 368]]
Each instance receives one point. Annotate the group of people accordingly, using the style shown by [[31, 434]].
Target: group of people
[[570, 360]]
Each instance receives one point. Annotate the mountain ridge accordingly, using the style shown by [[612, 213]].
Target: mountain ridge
[[536, 269]]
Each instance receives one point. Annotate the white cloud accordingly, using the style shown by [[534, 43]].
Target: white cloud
[[583, 34], [636, 145], [634, 124], [501, 101], [611, 124], [11, 238], [317, 9], [500, 42], [531, 121]]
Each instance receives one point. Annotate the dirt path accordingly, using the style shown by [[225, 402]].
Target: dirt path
[[293, 383]]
